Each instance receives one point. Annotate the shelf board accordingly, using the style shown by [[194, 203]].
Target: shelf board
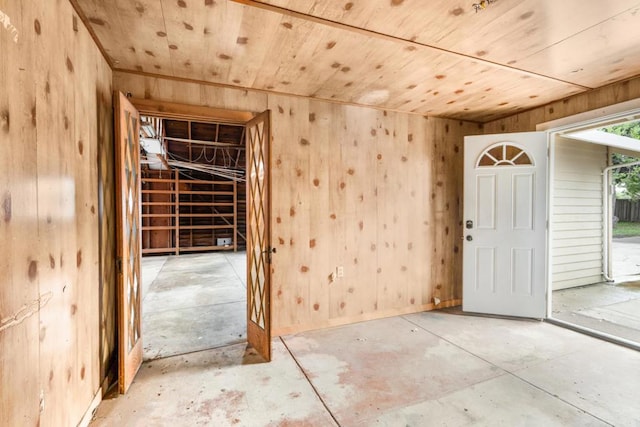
[[158, 227], [200, 181], [205, 227], [198, 215], [213, 205], [208, 193], [161, 180], [143, 204], [206, 248], [158, 250], [168, 191]]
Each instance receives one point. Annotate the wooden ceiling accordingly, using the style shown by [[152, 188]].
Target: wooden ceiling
[[437, 57]]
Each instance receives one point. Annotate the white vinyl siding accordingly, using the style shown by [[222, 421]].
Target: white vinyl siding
[[577, 213]]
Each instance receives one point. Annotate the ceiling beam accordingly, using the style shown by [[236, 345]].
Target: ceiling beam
[[388, 37]]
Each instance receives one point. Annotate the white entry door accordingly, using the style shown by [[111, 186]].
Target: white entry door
[[505, 215]]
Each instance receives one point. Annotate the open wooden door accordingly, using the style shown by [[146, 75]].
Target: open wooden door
[[259, 235], [128, 240]]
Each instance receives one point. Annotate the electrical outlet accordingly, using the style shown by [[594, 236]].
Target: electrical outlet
[[340, 271]]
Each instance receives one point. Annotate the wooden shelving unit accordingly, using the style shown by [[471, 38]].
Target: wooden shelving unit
[[203, 206], [207, 215], [159, 212], [187, 215]]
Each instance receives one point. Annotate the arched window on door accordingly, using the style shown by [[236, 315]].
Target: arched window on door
[[504, 154]]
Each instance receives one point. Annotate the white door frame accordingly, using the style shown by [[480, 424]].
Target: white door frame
[[625, 111]]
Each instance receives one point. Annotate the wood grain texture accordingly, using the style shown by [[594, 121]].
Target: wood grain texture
[[128, 234], [588, 44], [598, 98], [437, 70], [19, 263], [107, 236], [375, 192], [54, 119]]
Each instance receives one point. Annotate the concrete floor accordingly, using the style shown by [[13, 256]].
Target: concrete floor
[[192, 302], [425, 369], [612, 308], [626, 258]]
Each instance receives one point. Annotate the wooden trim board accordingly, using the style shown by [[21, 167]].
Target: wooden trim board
[[171, 110], [365, 317], [88, 415]]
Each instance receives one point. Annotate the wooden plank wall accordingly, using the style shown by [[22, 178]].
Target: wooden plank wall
[[55, 116], [19, 290], [378, 193], [592, 100]]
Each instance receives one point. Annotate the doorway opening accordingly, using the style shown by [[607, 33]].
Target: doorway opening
[[210, 221], [594, 267], [193, 210]]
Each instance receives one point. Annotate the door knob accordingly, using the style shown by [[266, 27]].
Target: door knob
[[469, 238]]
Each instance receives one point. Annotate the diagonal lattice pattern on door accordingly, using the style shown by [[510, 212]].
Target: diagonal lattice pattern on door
[[128, 241], [257, 269], [258, 235], [132, 234]]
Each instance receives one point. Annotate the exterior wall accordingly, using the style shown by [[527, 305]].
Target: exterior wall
[[375, 192], [55, 118], [577, 238]]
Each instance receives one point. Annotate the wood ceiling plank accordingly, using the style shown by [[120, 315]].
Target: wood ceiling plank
[[145, 24], [334, 64], [324, 64], [200, 37], [132, 33], [292, 48], [511, 30], [603, 54], [410, 44], [251, 53], [491, 34], [229, 43], [105, 23]]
